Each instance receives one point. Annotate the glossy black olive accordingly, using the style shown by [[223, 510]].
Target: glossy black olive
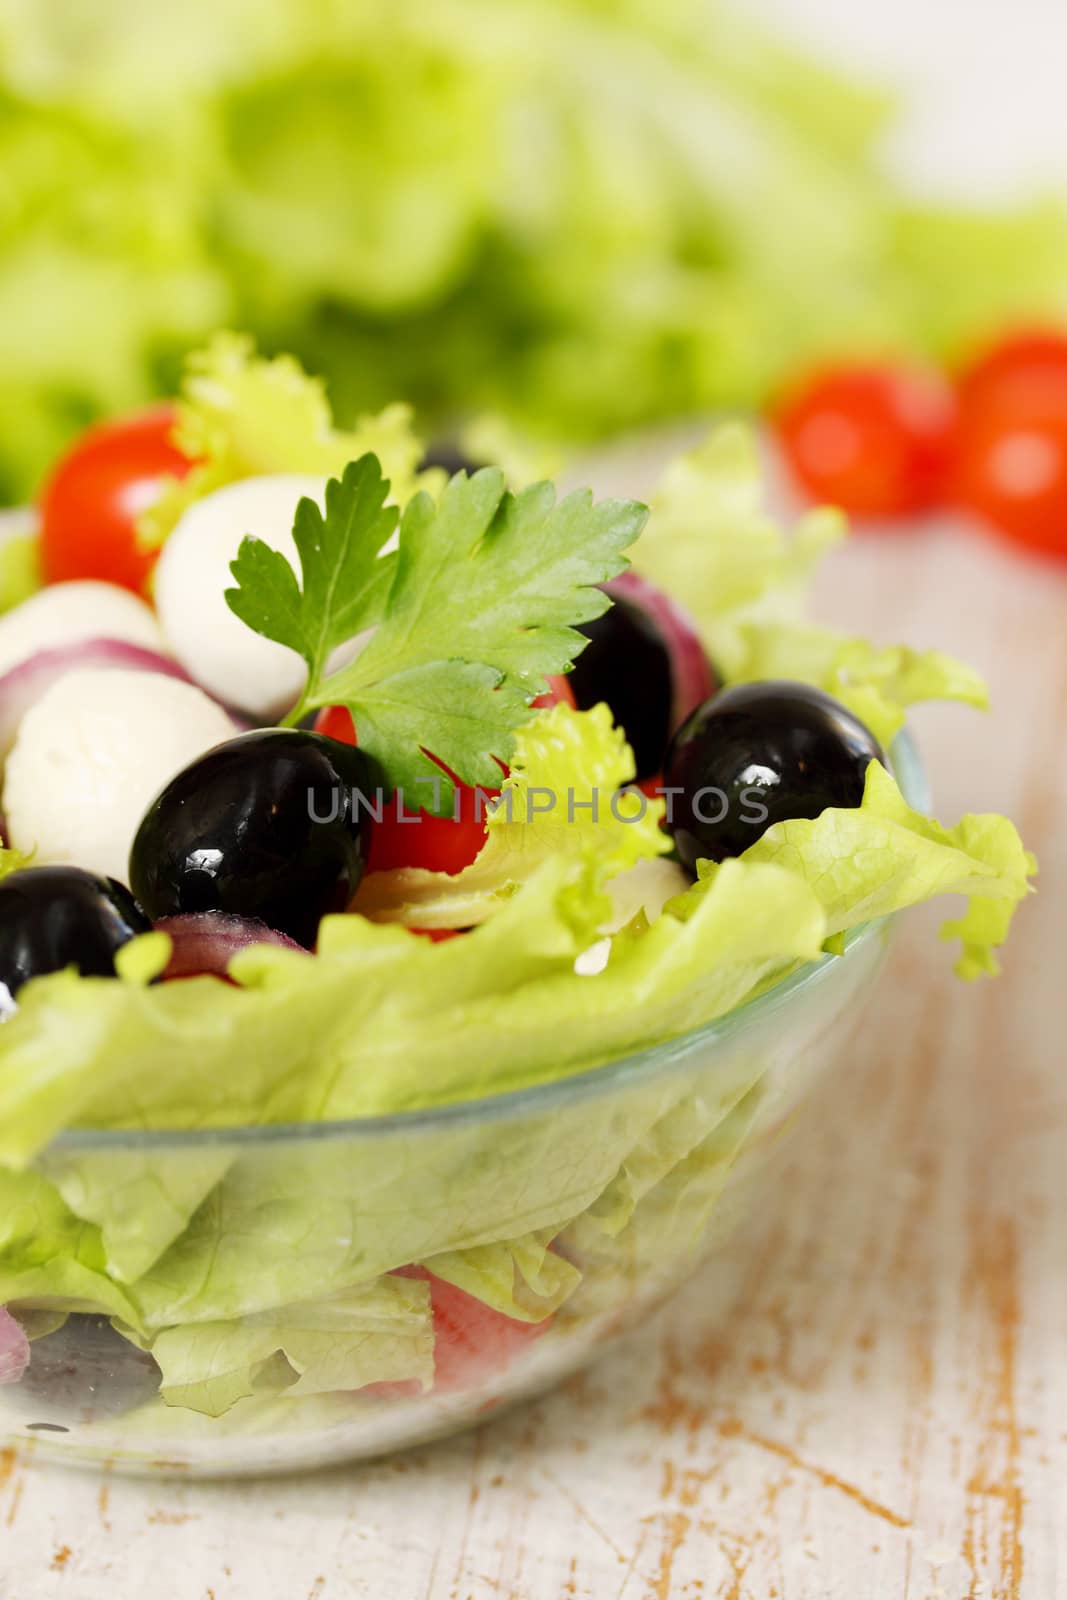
[[266, 826], [628, 665], [759, 754], [56, 917]]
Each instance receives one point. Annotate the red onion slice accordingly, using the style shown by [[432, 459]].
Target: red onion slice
[[14, 1349], [693, 679], [24, 685], [205, 942]]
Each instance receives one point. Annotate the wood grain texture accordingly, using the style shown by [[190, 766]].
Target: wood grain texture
[[881, 1414]]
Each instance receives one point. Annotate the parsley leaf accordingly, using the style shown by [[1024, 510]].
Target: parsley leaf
[[480, 601]]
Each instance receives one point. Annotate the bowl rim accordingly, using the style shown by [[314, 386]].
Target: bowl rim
[[623, 1072]]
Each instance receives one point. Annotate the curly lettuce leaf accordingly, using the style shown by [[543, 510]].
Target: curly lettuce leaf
[[241, 414], [569, 762], [711, 538], [882, 856], [877, 682]]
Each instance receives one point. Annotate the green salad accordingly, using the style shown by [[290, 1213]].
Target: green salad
[[409, 791]]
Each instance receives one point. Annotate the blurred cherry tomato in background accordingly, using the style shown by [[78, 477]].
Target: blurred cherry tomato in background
[[874, 440], [96, 492], [1011, 447], [1011, 470], [438, 844], [1028, 366]]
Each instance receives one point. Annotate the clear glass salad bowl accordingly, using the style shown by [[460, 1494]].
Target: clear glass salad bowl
[[618, 1180]]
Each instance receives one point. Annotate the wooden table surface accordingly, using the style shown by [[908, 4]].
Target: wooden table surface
[[882, 1413]]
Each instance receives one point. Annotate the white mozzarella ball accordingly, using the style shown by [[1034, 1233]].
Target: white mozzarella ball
[[215, 647], [92, 755], [69, 613]]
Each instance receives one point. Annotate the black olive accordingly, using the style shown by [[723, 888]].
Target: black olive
[[56, 917], [628, 664], [758, 754], [273, 825]]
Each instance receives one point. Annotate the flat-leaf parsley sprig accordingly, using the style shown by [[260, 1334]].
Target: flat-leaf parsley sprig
[[478, 604]]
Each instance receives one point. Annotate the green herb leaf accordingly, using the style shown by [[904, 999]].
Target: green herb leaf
[[345, 577], [481, 600]]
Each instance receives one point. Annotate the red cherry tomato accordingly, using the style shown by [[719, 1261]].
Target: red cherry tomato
[[1011, 470], [472, 1342], [874, 440], [96, 492], [1025, 367], [559, 692], [417, 838]]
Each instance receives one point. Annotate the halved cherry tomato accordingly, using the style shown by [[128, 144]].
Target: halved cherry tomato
[[1027, 366], [874, 440], [472, 1342], [96, 492], [417, 838]]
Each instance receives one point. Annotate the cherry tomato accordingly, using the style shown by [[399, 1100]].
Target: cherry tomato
[[559, 692], [1024, 367], [472, 1342], [1011, 470], [96, 492], [874, 440], [419, 839]]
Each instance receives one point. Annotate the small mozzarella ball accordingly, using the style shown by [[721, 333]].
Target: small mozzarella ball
[[215, 647], [92, 755], [68, 613]]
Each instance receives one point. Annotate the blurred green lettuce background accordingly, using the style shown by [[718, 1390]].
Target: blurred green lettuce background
[[584, 214]]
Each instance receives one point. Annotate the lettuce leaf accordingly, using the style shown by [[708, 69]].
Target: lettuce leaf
[[883, 856], [877, 682], [241, 414], [521, 1278], [572, 761], [711, 538], [375, 1333], [49, 1257]]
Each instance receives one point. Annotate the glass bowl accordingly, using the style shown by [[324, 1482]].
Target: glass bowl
[[575, 1206]]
